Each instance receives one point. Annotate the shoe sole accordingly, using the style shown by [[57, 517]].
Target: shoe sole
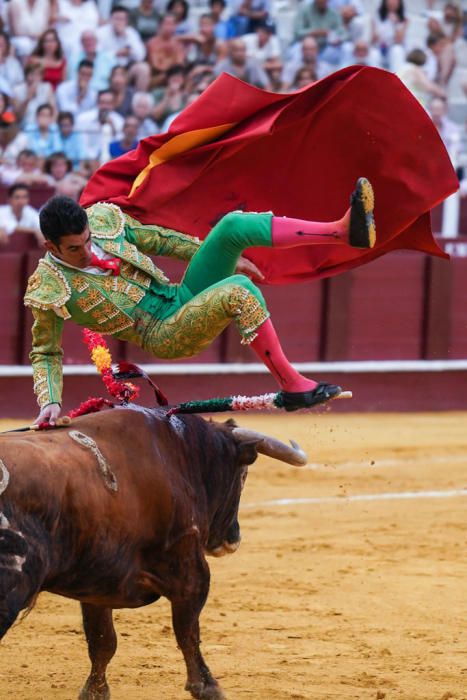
[[364, 193]]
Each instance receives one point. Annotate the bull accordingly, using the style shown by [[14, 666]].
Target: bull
[[119, 509]]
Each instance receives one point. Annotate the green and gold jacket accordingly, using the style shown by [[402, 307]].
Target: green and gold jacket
[[102, 303]]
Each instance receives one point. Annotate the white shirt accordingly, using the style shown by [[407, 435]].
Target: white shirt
[[67, 98], [87, 123], [9, 223], [109, 41], [80, 18], [271, 49]]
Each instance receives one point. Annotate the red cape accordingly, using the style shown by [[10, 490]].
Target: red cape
[[298, 155]]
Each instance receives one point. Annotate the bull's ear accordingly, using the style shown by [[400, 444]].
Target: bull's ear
[[248, 451]]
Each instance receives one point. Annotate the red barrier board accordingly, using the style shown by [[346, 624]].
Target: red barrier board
[[11, 265]]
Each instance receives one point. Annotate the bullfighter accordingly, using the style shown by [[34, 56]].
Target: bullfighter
[[97, 272]]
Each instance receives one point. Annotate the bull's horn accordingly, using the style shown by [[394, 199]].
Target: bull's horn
[[272, 447]]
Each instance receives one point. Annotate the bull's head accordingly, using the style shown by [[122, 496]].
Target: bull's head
[[224, 536]]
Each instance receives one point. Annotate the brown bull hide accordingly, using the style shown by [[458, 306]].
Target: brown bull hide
[[115, 511]]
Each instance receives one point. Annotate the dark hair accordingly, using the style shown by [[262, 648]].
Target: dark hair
[[221, 2], [383, 10], [43, 106], [65, 115], [61, 216], [119, 8], [39, 50], [17, 186], [105, 91], [85, 63], [417, 57], [53, 158], [171, 3], [26, 152], [116, 68], [434, 37]]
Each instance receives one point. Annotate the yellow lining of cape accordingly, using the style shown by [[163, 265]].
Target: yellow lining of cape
[[177, 145]]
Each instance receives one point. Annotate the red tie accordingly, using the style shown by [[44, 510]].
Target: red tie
[[109, 264]]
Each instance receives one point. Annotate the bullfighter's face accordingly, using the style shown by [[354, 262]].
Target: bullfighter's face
[[74, 248]]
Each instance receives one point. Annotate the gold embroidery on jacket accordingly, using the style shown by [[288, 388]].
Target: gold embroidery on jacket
[[79, 283], [90, 300], [105, 220]]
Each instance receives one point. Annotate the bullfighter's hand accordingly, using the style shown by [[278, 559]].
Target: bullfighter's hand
[[49, 414], [248, 268]]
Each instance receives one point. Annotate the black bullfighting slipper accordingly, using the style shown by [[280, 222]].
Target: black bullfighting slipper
[[362, 229], [293, 401]]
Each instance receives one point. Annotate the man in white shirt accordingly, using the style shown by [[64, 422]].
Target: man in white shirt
[[263, 44], [77, 96], [18, 215], [93, 126], [124, 42]]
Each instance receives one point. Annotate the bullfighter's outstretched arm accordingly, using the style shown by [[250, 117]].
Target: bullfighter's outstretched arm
[[158, 240], [46, 356]]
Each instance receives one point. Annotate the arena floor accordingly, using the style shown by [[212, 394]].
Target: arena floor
[[327, 599]]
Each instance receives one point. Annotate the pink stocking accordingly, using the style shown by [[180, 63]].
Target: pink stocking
[[288, 233], [268, 348]]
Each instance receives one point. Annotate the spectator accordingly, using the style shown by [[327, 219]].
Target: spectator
[[129, 141], [122, 93], [18, 216], [77, 96], [10, 68], [28, 20], [303, 77], [275, 72], [441, 58], [179, 9], [97, 125], [49, 55], [198, 79], [223, 29], [43, 136], [352, 15], [263, 45], [414, 78], [26, 170], [125, 44], [247, 14], [142, 106], [103, 61], [449, 131], [237, 64], [59, 169], [361, 54], [165, 50], [319, 21], [171, 99], [70, 142], [307, 58], [389, 31], [205, 48], [145, 19], [451, 24], [12, 140], [28, 96], [72, 18]]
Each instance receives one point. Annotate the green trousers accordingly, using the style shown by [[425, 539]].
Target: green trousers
[[211, 295]]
